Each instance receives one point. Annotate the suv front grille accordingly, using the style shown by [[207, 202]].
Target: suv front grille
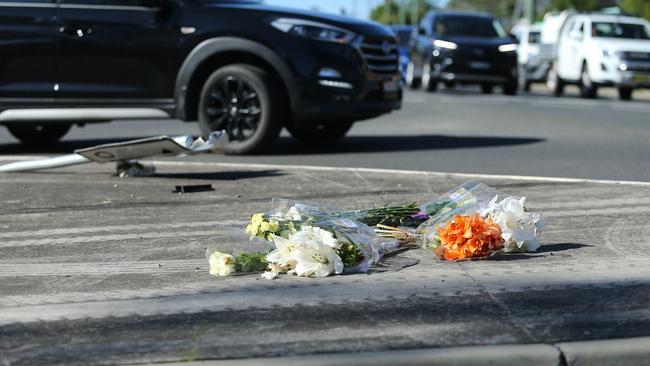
[[381, 55], [635, 56]]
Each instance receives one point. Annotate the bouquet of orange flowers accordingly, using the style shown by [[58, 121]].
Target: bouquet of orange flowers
[[471, 221], [469, 237]]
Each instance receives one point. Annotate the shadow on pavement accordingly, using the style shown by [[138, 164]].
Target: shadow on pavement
[[560, 247], [290, 146], [371, 144], [227, 175]]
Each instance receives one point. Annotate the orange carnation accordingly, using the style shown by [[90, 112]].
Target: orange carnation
[[469, 237]]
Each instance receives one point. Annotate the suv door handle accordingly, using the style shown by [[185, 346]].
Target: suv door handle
[[74, 31]]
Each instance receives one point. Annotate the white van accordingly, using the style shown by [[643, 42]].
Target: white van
[[596, 50]]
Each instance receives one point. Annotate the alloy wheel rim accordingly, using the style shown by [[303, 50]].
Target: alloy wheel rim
[[233, 105]]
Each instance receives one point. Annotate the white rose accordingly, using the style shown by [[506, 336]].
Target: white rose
[[221, 264]]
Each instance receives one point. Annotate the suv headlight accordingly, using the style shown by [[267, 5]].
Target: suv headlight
[[313, 30], [512, 47], [445, 44]]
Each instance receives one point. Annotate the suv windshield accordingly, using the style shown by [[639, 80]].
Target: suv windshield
[[619, 30], [468, 26]]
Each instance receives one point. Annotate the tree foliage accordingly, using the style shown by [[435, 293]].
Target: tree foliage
[[500, 9], [637, 7], [581, 5], [398, 11]]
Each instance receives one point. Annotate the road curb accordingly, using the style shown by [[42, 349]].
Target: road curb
[[615, 352], [499, 355]]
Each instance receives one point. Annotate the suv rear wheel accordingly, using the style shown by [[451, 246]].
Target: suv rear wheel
[[319, 133], [33, 133], [243, 100]]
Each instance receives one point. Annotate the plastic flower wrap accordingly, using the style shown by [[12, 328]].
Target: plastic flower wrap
[[520, 229], [293, 213], [233, 252], [466, 199], [469, 237]]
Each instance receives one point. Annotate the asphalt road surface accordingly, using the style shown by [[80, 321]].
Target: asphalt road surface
[[450, 131]]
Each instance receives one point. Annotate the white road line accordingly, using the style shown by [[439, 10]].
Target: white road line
[[118, 228], [397, 171]]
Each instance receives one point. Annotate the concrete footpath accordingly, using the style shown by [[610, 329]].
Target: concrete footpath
[[95, 269]]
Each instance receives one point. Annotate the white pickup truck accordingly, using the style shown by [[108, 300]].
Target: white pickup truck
[[596, 50]]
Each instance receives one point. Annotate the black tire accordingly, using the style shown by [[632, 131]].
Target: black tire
[[429, 83], [625, 93], [315, 133], [555, 82], [412, 80], [34, 133], [243, 100], [587, 88], [487, 88], [510, 88]]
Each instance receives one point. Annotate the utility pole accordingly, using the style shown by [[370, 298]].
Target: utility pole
[[402, 12]]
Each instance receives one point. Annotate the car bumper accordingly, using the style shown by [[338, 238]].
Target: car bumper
[[536, 71], [630, 74], [369, 100], [474, 71]]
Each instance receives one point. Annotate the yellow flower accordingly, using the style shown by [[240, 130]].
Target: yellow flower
[[274, 226], [265, 227], [257, 219], [221, 264]]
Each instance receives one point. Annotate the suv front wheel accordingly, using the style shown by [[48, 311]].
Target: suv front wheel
[[243, 100], [34, 133]]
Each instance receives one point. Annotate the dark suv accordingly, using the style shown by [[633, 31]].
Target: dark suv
[[235, 65], [462, 47]]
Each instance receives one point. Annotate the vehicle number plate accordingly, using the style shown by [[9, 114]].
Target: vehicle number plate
[[390, 86], [479, 65], [641, 78]]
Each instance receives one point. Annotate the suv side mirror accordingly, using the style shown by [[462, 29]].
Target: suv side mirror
[[575, 34]]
